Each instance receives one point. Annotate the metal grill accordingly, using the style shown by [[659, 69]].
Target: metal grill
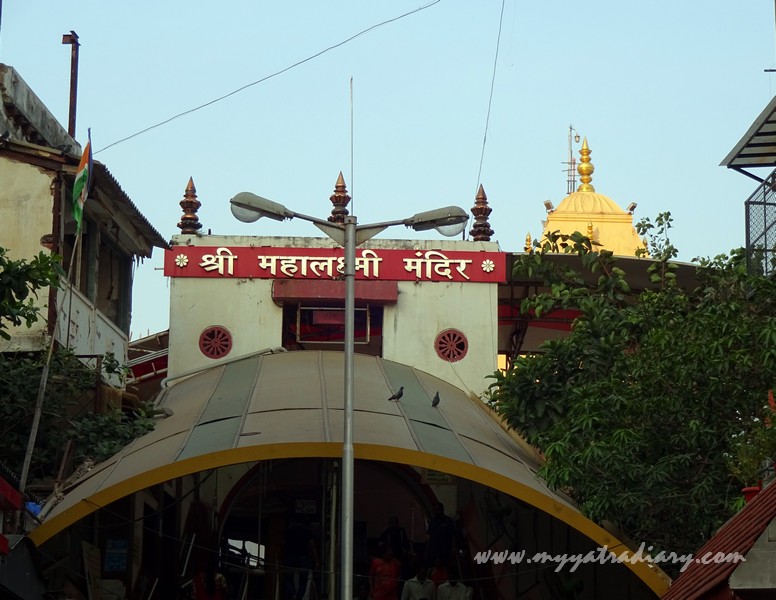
[[761, 228]]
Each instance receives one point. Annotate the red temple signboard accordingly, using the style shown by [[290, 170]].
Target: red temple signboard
[[328, 263]]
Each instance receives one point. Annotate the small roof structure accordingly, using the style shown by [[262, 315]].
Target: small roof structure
[[276, 404], [739, 534], [757, 148], [147, 235]]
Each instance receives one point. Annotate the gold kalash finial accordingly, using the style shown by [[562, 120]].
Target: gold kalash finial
[[585, 169]]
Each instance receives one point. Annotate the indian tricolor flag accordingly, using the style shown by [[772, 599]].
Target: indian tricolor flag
[[81, 184]]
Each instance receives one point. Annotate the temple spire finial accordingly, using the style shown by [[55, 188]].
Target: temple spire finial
[[528, 242], [189, 222], [481, 230], [340, 199], [585, 169]]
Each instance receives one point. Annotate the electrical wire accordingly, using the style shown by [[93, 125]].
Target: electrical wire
[[490, 97], [275, 74]]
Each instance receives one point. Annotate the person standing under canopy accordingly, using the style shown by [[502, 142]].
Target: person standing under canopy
[[384, 575], [440, 536], [209, 584]]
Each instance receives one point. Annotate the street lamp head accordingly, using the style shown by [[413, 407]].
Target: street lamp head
[[449, 221], [248, 207]]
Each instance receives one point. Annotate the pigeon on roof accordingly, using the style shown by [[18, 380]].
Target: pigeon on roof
[[397, 395]]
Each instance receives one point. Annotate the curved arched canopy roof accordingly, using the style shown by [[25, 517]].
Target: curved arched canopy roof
[[290, 405]]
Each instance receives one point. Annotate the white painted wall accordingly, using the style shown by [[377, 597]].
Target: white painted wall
[[86, 331], [424, 310], [25, 198], [243, 306], [26, 201], [246, 309]]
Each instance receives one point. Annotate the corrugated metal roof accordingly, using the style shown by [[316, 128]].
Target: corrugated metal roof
[[290, 405], [758, 146], [129, 209]]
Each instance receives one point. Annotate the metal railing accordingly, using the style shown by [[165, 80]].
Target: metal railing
[[761, 228]]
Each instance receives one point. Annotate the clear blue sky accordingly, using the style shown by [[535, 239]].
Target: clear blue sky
[[662, 90]]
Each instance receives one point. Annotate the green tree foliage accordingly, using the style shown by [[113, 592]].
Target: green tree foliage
[[64, 417], [20, 375], [650, 413], [69, 393], [19, 282], [99, 436]]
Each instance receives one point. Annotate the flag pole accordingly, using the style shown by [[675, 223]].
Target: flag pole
[[42, 389], [77, 256], [79, 199], [81, 185]]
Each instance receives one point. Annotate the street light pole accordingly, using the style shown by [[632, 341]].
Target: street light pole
[[348, 464], [449, 221]]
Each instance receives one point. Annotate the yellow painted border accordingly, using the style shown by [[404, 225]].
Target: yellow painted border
[[653, 577]]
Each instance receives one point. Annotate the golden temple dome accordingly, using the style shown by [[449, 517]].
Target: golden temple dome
[[589, 202], [597, 216]]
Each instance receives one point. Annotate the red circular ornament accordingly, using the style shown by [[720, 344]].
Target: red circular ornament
[[451, 345], [215, 342]]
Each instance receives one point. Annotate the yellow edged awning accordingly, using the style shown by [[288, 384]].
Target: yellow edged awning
[[290, 405]]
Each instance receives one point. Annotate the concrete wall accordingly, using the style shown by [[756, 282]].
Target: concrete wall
[[30, 120], [25, 198], [244, 307], [428, 308], [424, 309], [88, 332]]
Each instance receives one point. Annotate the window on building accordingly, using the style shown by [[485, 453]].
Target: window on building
[[100, 271], [323, 328]]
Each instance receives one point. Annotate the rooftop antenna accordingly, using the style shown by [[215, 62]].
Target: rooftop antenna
[[571, 165], [771, 70], [352, 184]]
